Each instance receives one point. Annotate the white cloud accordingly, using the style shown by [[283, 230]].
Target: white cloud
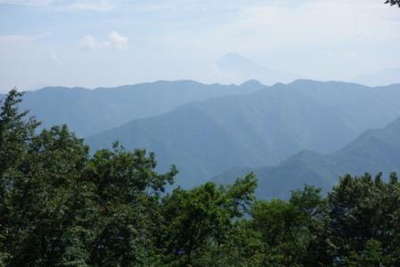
[[118, 41], [89, 42], [114, 40]]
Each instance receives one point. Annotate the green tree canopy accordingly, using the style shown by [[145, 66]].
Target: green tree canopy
[[196, 219]]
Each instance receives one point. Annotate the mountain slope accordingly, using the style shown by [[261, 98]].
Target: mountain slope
[[257, 129], [184, 137], [373, 151], [90, 111], [360, 107]]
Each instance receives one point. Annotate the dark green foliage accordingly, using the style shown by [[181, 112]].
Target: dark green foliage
[[287, 227], [127, 191], [364, 214], [15, 131], [196, 219], [62, 206]]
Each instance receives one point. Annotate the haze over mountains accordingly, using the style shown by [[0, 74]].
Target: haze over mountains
[[288, 134], [385, 76], [236, 67], [373, 151], [261, 128], [90, 111]]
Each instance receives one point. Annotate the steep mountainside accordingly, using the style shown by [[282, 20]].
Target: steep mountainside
[[90, 111], [257, 129], [373, 151]]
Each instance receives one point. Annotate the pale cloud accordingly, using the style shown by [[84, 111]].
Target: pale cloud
[[118, 41], [114, 40], [314, 22], [89, 42]]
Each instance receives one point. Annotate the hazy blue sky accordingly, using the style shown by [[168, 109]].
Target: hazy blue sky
[[112, 42]]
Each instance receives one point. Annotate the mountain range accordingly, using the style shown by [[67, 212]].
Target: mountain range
[[91, 111], [303, 132], [261, 128], [373, 151]]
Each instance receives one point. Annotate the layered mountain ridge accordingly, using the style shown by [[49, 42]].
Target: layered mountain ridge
[[373, 151], [305, 131], [261, 128], [88, 112]]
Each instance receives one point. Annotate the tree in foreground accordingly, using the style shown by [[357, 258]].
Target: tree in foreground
[[61, 206], [198, 219], [363, 219]]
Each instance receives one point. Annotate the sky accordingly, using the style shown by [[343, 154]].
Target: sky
[[93, 43]]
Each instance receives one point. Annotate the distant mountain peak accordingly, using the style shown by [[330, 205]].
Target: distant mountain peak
[[304, 81], [238, 67], [252, 83], [307, 82]]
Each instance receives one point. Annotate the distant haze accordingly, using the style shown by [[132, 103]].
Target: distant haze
[[303, 132], [95, 43]]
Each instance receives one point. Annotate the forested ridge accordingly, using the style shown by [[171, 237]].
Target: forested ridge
[[376, 150], [62, 205], [257, 129], [248, 125], [88, 112]]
